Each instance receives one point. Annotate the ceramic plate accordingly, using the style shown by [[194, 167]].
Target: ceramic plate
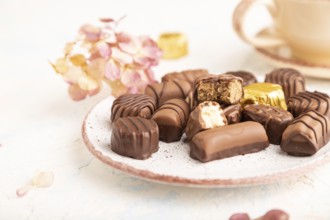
[[171, 164], [282, 57]]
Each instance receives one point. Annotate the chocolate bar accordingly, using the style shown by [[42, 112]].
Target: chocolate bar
[[171, 119], [274, 119], [162, 92], [134, 137], [228, 141], [233, 113], [187, 75], [224, 89], [264, 93], [305, 101], [133, 105], [248, 78], [206, 115], [291, 80], [306, 134]]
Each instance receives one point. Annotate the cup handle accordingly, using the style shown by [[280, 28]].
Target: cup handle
[[267, 37]]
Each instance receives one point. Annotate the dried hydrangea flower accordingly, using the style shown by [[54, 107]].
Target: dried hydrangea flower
[[42, 179], [102, 54]]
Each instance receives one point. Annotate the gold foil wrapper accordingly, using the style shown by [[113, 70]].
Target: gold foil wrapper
[[174, 45], [264, 93]]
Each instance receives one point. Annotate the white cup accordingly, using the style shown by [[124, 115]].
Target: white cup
[[303, 25]]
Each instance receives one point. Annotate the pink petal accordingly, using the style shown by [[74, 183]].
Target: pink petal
[[106, 20], [109, 35], [121, 57], [130, 78], [91, 32], [104, 49], [76, 93], [112, 71]]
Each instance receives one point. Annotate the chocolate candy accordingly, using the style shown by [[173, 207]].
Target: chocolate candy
[[134, 137], [291, 80], [264, 93], [228, 141], [206, 115], [305, 101], [233, 113], [171, 119], [306, 134], [133, 105], [187, 75], [248, 78], [274, 119], [162, 92], [224, 89]]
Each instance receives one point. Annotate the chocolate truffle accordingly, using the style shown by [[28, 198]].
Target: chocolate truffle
[[291, 80], [134, 137], [206, 115], [187, 75], [171, 119], [162, 92], [224, 89], [264, 93], [233, 113], [306, 134], [133, 105], [248, 78], [228, 141], [274, 119], [305, 101]]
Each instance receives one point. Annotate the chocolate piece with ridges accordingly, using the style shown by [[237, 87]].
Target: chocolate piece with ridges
[[248, 78], [162, 92], [274, 119], [187, 75], [171, 119], [206, 115], [233, 113], [306, 134], [264, 93], [291, 81], [305, 101], [134, 137], [133, 105], [228, 141], [224, 89]]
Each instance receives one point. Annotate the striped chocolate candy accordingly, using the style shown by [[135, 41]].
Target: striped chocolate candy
[[187, 75]]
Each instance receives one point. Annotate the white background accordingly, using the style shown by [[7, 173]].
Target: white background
[[40, 126]]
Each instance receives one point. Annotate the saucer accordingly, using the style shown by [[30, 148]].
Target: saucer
[[282, 57]]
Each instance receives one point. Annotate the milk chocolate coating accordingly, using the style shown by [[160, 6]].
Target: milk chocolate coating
[[233, 113], [291, 81], [306, 134], [248, 78], [187, 75], [134, 137], [305, 101], [162, 92], [224, 89], [171, 119], [206, 115], [133, 105], [274, 119], [228, 141]]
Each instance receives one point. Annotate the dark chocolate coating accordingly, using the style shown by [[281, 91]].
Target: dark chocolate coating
[[134, 137], [171, 119], [306, 134], [305, 101], [187, 75], [291, 81], [224, 89], [133, 105], [228, 141], [233, 113], [248, 78], [274, 119], [162, 92], [201, 119]]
